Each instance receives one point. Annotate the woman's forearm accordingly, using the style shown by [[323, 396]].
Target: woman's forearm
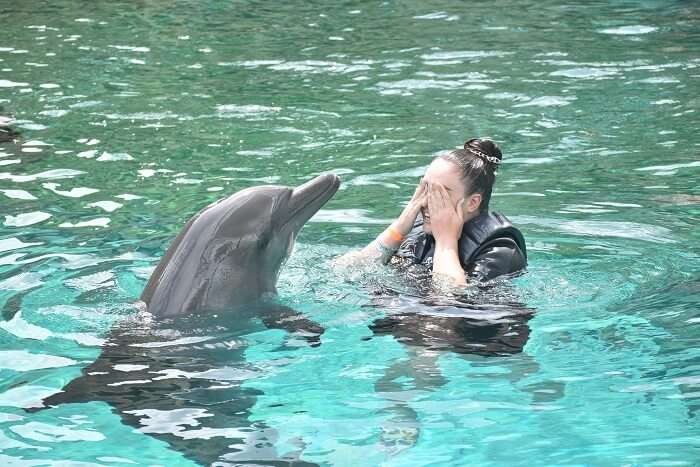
[[382, 248], [446, 263]]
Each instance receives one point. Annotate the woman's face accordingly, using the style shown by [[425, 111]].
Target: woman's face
[[448, 174]]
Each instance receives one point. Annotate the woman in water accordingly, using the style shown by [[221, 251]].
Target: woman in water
[[447, 225]]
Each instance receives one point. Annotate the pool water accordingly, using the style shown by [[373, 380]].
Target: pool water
[[135, 115]]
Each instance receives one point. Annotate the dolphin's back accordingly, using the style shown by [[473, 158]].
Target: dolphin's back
[[193, 266], [154, 280], [175, 281]]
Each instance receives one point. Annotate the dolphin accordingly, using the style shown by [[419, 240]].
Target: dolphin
[[175, 370], [230, 253]]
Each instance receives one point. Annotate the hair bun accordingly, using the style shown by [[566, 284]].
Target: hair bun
[[485, 149]]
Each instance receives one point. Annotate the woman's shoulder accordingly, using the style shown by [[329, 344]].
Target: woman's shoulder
[[490, 226]]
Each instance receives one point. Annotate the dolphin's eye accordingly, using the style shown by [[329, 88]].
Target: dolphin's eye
[[264, 241]]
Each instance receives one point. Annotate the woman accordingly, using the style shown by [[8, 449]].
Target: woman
[[447, 226]]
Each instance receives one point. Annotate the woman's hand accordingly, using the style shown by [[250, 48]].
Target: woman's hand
[[446, 218], [405, 222]]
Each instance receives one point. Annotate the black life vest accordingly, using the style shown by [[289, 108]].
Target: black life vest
[[486, 230]]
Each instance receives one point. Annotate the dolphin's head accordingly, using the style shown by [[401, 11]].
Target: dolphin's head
[[261, 224]]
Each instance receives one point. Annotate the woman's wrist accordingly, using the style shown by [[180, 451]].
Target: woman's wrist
[[448, 245], [446, 262], [404, 223]]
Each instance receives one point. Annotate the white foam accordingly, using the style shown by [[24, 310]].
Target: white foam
[[8, 244], [98, 222], [46, 175], [346, 216], [26, 219], [22, 281], [78, 192], [18, 194], [130, 48], [547, 101], [98, 280], [54, 113], [246, 109], [21, 360], [108, 206], [464, 54], [117, 156], [586, 73], [87, 154], [669, 167], [128, 196], [629, 30], [4, 83]]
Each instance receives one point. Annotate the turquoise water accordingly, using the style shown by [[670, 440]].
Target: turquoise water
[[134, 115]]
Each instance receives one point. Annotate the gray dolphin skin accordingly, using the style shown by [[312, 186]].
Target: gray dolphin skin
[[230, 253], [176, 369]]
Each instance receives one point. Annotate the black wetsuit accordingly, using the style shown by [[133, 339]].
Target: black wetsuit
[[489, 247]]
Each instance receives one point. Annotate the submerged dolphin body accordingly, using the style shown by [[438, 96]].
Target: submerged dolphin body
[[176, 370]]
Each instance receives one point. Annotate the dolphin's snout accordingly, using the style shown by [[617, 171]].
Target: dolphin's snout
[[320, 184], [308, 198]]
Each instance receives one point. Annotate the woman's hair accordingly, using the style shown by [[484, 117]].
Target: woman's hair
[[478, 161]]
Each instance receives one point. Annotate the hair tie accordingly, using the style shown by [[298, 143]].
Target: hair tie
[[481, 155]]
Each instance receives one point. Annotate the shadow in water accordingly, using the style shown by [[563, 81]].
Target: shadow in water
[[182, 382], [8, 135], [461, 327], [483, 320], [675, 308], [487, 323]]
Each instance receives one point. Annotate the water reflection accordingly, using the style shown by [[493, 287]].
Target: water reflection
[[483, 322], [674, 309], [594, 104], [183, 382], [465, 327]]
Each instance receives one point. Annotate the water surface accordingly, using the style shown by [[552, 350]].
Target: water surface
[[135, 115]]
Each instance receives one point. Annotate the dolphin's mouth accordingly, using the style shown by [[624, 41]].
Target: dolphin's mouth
[[308, 198]]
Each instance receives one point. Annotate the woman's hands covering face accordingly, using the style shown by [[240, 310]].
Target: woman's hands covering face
[[419, 201], [446, 216], [420, 198]]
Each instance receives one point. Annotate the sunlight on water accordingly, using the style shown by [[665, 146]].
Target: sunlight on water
[[119, 121]]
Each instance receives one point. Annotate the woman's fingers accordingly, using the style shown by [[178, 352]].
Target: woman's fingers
[[420, 189], [444, 197], [433, 204], [460, 208], [444, 200], [417, 191], [434, 195], [419, 194]]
